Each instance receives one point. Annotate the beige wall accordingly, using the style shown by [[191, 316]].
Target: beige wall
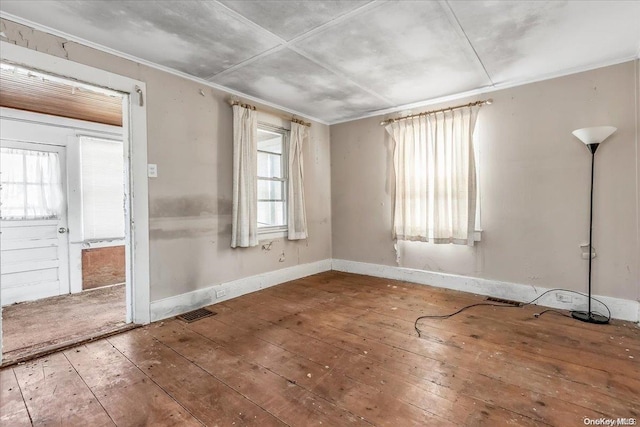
[[190, 139], [534, 178], [638, 170]]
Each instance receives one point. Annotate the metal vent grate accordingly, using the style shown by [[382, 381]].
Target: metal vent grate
[[504, 301], [194, 315]]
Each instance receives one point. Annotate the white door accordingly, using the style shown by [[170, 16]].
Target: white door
[[33, 221]]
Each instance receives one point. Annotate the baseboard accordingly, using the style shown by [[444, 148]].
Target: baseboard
[[620, 308], [172, 306]]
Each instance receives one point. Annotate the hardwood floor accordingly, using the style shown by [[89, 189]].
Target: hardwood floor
[[49, 324], [338, 349]]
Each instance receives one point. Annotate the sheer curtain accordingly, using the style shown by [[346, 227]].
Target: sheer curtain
[[435, 191], [297, 217], [31, 184], [244, 230]]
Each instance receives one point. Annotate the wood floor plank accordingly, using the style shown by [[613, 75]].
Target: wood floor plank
[[591, 359], [55, 394], [529, 405], [13, 411], [541, 329], [288, 401], [339, 349], [211, 401], [129, 396], [309, 374]]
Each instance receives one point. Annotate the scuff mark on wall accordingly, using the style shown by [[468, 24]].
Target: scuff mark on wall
[[188, 206], [182, 227], [160, 234]]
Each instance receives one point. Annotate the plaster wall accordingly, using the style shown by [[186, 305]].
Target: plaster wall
[[190, 139], [534, 178]]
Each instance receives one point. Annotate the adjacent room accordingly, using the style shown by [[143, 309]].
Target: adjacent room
[[62, 233], [305, 213]]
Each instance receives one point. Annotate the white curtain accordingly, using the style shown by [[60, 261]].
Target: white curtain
[[31, 184], [435, 173], [245, 181], [297, 217]]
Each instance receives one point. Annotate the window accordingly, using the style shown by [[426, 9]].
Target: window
[[31, 187], [272, 179], [436, 190], [102, 177]]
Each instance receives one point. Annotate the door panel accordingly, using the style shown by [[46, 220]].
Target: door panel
[[33, 252]]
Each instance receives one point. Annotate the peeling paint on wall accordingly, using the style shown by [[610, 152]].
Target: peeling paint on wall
[[26, 37]]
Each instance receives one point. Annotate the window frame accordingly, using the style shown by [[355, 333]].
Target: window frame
[[268, 232]]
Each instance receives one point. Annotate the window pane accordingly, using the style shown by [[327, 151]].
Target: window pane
[[269, 141], [34, 193], [269, 165], [12, 201], [271, 214], [269, 190], [11, 161], [102, 188]]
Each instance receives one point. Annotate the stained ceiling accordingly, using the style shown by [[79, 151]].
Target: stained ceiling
[[341, 60]]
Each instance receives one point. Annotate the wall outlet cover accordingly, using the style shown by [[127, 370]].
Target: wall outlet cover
[[220, 293]]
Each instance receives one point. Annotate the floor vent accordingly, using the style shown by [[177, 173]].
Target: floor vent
[[504, 301], [194, 315]]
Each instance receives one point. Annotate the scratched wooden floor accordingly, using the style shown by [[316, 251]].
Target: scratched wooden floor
[[338, 349]]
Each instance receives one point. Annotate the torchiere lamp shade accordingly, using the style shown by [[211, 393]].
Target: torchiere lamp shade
[[594, 135]]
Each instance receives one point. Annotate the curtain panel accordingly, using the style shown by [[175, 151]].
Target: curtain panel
[[435, 177], [296, 214], [244, 228], [31, 184]]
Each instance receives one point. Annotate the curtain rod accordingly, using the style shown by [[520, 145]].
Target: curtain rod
[[233, 102], [426, 113]]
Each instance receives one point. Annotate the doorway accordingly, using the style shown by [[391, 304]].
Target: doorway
[[50, 249]]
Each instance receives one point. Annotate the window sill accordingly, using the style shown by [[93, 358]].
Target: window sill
[[477, 235]]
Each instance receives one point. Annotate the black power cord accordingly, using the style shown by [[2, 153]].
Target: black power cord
[[446, 316]]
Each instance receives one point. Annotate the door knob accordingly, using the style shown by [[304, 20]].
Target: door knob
[[62, 230]]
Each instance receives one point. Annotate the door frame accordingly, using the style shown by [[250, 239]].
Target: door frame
[[134, 125]]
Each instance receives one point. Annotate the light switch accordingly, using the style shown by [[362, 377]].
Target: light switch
[[152, 170]]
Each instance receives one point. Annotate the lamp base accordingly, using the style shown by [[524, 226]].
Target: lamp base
[[585, 316]]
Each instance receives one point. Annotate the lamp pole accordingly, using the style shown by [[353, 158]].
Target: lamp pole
[[592, 137], [592, 148]]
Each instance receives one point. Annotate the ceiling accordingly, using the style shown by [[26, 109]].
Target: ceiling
[[340, 60], [24, 90]]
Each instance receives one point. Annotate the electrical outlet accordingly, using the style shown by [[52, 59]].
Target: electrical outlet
[[220, 293], [564, 298]]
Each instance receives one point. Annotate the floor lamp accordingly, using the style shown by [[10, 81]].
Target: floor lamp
[[592, 137]]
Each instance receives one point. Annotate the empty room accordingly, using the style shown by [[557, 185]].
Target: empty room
[[319, 213]]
